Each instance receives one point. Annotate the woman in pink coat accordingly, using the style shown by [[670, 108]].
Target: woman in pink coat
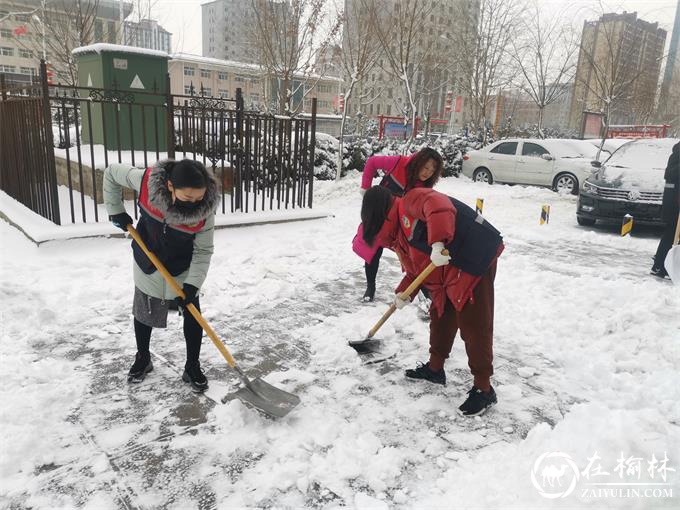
[[421, 169]]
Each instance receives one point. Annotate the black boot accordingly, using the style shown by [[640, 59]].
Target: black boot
[[477, 402], [659, 271], [369, 295], [140, 368], [193, 374], [424, 372]]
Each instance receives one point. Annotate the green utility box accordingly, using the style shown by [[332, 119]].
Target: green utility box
[[127, 96]]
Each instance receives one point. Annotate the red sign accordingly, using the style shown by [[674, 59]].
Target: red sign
[[20, 30], [459, 104], [642, 131]]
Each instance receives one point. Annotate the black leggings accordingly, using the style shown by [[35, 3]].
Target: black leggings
[[193, 333], [666, 243], [372, 268]]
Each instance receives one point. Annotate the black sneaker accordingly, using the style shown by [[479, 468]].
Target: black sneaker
[[369, 295], [477, 402], [193, 374], [140, 368], [659, 271], [424, 372]]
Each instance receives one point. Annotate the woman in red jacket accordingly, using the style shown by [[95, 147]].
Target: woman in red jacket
[[419, 227], [401, 173]]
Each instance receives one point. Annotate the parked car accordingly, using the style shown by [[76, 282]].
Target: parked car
[[630, 181], [610, 145], [561, 164]]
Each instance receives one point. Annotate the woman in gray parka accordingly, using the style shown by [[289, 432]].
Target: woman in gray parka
[[177, 202]]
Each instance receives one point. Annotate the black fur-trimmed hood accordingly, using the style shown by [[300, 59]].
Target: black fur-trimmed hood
[[161, 198]]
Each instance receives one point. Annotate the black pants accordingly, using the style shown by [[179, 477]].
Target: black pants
[[665, 244], [193, 334], [372, 269]]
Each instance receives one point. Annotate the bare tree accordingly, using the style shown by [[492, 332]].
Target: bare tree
[[609, 72], [402, 28], [62, 26], [483, 42], [545, 57], [360, 51], [288, 37]]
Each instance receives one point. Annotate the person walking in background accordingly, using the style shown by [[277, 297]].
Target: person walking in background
[[669, 211], [177, 203], [419, 227], [421, 169]]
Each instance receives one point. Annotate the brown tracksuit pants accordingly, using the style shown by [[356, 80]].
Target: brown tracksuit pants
[[475, 322]]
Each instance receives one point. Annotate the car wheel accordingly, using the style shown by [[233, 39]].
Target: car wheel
[[585, 222], [566, 183], [482, 175]]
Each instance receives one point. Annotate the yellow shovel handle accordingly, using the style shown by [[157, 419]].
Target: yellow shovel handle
[[405, 295], [178, 290]]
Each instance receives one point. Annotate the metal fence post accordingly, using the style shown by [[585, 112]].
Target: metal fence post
[[312, 145], [49, 144], [239, 149], [170, 118]]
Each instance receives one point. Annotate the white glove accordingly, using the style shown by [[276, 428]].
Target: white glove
[[436, 256], [399, 302], [362, 191]]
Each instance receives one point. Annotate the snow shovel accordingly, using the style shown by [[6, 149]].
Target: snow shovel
[[672, 262], [370, 345], [257, 393]]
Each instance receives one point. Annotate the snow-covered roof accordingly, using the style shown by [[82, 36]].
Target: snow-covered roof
[[242, 66], [119, 48]]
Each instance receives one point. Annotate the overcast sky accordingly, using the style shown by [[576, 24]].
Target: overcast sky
[[183, 17]]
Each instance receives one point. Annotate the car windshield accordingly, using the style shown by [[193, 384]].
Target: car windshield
[[575, 149], [641, 155]]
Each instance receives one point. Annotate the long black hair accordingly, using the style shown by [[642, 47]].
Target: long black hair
[[418, 161], [374, 208]]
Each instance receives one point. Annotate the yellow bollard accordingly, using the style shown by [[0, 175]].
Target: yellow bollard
[[480, 205], [627, 225], [545, 214]]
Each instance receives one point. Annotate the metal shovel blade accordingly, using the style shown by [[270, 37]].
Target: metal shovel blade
[[266, 398], [366, 346]]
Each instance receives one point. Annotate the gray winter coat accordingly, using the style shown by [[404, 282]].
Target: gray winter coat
[[117, 176]]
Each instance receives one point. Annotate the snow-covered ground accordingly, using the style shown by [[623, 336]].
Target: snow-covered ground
[[586, 358]]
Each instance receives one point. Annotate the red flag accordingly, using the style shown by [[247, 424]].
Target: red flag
[[20, 30]]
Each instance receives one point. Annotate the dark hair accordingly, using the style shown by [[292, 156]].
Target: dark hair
[[374, 208], [418, 161], [187, 173]]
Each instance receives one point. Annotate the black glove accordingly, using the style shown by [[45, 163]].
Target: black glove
[[190, 293], [121, 220]]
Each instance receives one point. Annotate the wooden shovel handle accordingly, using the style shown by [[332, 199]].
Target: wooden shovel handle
[[404, 295], [178, 290]]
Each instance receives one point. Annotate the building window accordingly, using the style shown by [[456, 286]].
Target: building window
[[5, 33], [221, 75], [205, 73], [25, 54], [389, 109], [239, 79], [98, 31], [28, 70], [6, 52], [207, 92], [189, 71], [21, 17], [112, 32], [187, 90], [224, 94], [8, 69]]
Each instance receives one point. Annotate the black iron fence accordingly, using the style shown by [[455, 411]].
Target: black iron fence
[[56, 141]]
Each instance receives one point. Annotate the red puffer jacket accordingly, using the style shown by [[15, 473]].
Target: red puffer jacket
[[437, 211]]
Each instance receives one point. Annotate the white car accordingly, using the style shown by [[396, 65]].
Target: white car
[[560, 164]]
